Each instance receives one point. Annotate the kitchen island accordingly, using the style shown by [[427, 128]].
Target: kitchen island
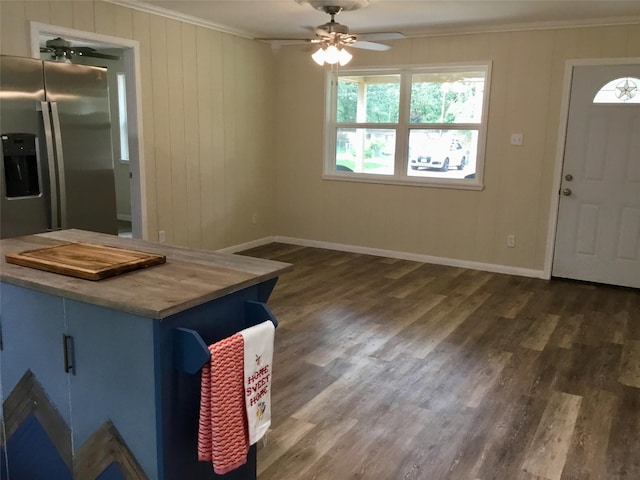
[[101, 379]]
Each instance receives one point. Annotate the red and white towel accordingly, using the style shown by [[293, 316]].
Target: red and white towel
[[222, 433], [235, 397], [258, 361]]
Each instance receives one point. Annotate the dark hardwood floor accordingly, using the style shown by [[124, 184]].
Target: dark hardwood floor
[[390, 369]]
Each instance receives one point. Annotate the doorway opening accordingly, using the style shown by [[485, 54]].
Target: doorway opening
[[121, 57]]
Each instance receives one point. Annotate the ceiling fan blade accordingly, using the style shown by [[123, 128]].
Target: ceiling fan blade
[[283, 42], [45, 49], [381, 36], [90, 52], [282, 39], [321, 32], [380, 47]]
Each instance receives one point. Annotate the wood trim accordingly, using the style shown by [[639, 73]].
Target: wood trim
[[28, 397], [102, 449]]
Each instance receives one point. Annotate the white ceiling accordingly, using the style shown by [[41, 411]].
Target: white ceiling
[[294, 18]]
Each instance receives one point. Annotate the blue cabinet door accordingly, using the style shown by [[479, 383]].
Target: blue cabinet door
[[35, 387], [113, 391]]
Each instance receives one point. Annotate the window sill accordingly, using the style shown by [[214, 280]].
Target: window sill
[[460, 184]]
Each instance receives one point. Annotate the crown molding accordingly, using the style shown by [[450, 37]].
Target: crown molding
[[528, 26], [172, 14], [432, 31]]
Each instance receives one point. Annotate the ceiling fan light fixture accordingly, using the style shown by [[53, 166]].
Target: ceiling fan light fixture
[[318, 56], [344, 57], [345, 5], [331, 55]]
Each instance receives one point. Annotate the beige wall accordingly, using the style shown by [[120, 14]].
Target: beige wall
[[231, 130], [208, 107], [526, 92]]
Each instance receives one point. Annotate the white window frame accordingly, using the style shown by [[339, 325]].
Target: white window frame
[[400, 176], [123, 121]]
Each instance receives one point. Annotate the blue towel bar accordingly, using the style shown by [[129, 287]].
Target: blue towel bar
[[190, 352]]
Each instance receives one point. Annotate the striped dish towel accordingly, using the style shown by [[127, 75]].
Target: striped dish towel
[[222, 434]]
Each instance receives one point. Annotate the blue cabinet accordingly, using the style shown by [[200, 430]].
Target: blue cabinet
[[128, 406]]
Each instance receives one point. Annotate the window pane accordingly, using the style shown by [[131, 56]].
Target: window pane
[[450, 97], [122, 114], [442, 153], [365, 150], [620, 90], [368, 99]]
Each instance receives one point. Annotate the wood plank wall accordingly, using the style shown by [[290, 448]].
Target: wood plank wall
[[208, 103], [528, 69], [231, 130]]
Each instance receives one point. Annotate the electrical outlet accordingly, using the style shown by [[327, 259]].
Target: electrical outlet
[[517, 139], [511, 241], [161, 236]]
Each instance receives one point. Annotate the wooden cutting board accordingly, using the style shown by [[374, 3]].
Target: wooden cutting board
[[85, 260]]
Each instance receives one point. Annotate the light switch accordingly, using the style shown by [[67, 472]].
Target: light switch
[[517, 139]]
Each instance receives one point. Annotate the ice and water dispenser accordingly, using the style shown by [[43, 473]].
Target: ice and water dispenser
[[20, 162]]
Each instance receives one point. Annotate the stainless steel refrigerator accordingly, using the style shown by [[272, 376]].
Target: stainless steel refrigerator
[[57, 164]]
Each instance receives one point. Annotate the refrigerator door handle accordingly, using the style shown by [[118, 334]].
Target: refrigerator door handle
[[60, 164], [53, 188]]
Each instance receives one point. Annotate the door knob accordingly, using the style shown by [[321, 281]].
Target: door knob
[[566, 192]]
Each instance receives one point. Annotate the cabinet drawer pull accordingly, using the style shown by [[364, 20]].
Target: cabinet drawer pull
[[67, 347]]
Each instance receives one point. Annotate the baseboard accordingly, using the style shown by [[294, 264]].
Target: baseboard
[[415, 257], [246, 246], [379, 252], [124, 217]]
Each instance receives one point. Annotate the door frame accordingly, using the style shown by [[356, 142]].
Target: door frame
[[131, 52], [560, 146]]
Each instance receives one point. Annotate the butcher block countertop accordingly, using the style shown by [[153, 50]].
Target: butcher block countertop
[[187, 279]]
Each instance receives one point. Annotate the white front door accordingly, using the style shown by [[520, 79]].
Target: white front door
[[598, 231]]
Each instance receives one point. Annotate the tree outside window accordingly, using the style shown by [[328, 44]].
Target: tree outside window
[[423, 125]]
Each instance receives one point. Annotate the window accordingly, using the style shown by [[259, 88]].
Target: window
[[620, 90], [422, 126], [122, 115]]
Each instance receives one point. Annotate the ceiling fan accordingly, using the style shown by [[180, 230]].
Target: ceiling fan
[[332, 36], [62, 51], [337, 33]]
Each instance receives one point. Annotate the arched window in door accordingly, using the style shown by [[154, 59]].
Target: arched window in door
[[620, 90]]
